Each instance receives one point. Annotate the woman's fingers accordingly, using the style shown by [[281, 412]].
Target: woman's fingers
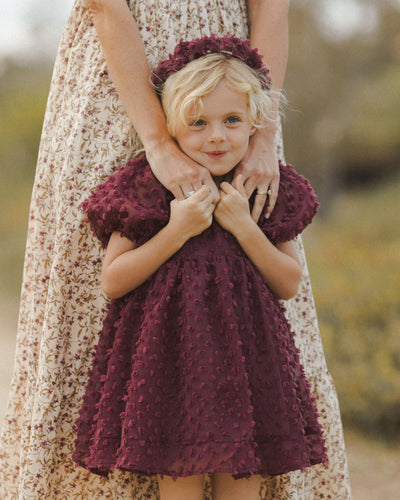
[[274, 190], [268, 193], [179, 173], [186, 185], [260, 170], [189, 187], [266, 188]]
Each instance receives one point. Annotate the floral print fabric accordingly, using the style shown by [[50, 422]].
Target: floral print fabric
[[86, 135]]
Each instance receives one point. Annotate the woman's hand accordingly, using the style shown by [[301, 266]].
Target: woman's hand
[[179, 173], [260, 171], [193, 215], [232, 211]]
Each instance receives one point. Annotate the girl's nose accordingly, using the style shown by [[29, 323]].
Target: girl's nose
[[217, 133]]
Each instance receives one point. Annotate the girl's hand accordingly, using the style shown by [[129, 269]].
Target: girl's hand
[[260, 171], [179, 173], [193, 215], [232, 211]]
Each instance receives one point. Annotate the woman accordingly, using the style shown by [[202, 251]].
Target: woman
[[86, 135]]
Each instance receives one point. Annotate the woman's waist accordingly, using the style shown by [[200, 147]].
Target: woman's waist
[[163, 23]]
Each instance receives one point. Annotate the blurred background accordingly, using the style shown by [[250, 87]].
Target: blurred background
[[342, 130]]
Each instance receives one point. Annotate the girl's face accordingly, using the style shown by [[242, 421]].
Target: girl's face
[[218, 139]]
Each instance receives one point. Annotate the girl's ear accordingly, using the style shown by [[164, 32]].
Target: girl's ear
[[252, 130]]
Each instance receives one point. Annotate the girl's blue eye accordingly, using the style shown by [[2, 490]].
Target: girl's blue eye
[[233, 119], [198, 123]]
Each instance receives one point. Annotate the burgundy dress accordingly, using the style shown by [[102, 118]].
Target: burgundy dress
[[196, 370]]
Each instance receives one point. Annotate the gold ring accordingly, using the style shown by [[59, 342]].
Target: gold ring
[[264, 193]]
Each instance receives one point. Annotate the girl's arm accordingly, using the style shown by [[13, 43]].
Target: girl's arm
[[280, 264], [126, 266], [127, 63], [269, 33]]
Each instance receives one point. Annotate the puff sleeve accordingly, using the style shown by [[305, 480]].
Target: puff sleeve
[[295, 207], [131, 201]]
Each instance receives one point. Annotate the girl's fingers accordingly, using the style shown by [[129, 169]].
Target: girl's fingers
[[227, 188], [205, 190], [198, 194], [188, 190], [239, 185], [203, 198], [183, 191], [210, 184], [210, 210], [250, 185], [193, 182], [258, 207], [202, 194]]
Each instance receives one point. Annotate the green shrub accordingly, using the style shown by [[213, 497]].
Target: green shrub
[[23, 94], [354, 260]]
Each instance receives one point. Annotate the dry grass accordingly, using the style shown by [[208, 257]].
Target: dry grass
[[374, 468]]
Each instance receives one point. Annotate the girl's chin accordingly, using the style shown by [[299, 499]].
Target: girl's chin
[[223, 178]]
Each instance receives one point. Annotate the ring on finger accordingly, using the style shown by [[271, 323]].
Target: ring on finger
[[189, 194], [264, 193]]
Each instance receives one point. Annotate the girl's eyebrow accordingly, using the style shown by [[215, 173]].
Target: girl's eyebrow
[[228, 113]]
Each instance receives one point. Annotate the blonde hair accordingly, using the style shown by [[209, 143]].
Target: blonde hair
[[182, 92]]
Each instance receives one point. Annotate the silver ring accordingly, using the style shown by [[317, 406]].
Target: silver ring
[[189, 193]]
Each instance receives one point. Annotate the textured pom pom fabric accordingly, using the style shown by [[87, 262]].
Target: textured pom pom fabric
[[295, 207], [231, 46], [196, 370]]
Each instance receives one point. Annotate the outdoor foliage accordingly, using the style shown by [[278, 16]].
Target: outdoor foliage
[[354, 262], [342, 125], [23, 93]]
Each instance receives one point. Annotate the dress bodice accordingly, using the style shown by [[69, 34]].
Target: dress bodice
[[164, 22]]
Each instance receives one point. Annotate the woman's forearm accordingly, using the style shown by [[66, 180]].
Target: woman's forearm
[[127, 63], [269, 32]]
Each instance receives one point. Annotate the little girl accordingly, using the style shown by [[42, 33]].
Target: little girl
[[196, 370]]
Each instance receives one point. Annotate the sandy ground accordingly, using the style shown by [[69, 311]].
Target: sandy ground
[[374, 466]]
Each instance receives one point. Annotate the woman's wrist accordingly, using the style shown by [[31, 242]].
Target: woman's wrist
[[266, 134], [158, 145]]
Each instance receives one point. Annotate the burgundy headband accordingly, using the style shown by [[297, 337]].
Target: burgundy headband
[[229, 45]]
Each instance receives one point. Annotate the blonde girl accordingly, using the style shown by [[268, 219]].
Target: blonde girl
[[196, 371]]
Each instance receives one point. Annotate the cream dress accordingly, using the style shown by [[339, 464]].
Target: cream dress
[[86, 134]]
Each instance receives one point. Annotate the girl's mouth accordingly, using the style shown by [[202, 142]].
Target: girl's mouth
[[216, 154]]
